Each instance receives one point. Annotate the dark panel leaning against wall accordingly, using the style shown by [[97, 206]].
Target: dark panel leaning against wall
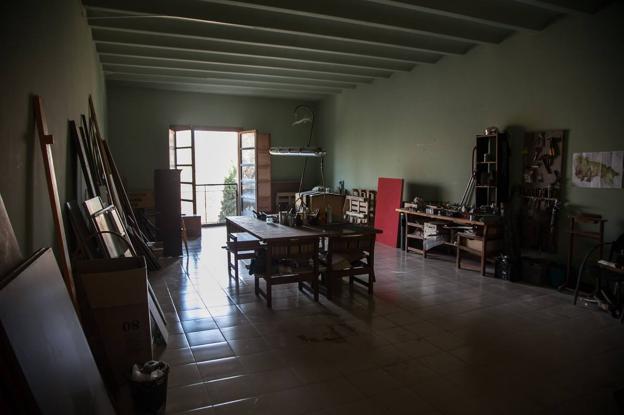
[[47, 50], [421, 125], [139, 119]]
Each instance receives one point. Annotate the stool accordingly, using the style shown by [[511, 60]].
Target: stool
[[484, 246], [240, 245]]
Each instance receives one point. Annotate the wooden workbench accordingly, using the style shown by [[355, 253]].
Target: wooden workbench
[[416, 219]]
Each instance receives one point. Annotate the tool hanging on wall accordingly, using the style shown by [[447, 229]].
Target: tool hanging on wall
[[541, 189], [46, 140]]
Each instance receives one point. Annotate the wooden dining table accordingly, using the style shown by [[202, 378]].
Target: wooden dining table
[[274, 231]]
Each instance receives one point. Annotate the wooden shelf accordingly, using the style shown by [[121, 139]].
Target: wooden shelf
[[415, 225], [412, 236]]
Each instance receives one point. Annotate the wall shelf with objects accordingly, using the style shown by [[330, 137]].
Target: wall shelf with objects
[[491, 169]]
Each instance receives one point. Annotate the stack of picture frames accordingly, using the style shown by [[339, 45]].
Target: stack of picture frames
[[103, 179], [105, 225]]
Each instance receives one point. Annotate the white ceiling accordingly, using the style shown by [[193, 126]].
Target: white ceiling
[[303, 49]]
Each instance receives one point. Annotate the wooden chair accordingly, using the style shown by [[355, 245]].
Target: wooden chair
[[485, 246], [289, 261], [356, 250], [240, 245]]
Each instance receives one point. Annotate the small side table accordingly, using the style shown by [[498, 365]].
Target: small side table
[[575, 233]]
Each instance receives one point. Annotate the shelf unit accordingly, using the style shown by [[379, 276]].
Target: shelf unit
[[492, 169], [413, 236]]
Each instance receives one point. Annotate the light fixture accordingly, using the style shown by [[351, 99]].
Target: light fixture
[[297, 151], [303, 115]]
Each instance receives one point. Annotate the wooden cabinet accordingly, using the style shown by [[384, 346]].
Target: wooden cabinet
[[492, 169], [168, 210], [254, 172]]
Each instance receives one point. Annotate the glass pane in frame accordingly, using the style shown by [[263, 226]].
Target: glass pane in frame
[[248, 173], [187, 174], [183, 138], [248, 139], [187, 208], [184, 156], [248, 156]]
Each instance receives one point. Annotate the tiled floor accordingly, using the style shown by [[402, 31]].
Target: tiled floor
[[432, 340]]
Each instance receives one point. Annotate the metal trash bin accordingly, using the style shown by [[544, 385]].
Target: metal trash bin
[[149, 387]]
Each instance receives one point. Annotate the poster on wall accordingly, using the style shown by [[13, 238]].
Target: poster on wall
[[602, 170]]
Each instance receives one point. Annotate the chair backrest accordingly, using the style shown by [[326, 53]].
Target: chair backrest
[[349, 244], [617, 248], [297, 249]]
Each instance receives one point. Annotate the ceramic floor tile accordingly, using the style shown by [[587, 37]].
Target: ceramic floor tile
[[373, 382], [205, 337], [199, 325], [195, 314], [220, 368], [211, 351], [183, 375], [177, 341], [432, 340], [258, 362], [185, 398], [176, 357], [245, 331], [249, 346]]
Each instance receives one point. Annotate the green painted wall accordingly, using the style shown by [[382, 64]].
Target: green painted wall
[[421, 125], [139, 120], [46, 50]]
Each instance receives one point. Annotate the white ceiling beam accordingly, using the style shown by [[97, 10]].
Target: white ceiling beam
[[168, 69], [191, 29], [240, 67], [283, 24], [506, 15], [230, 83], [203, 49], [566, 6], [379, 16], [215, 89]]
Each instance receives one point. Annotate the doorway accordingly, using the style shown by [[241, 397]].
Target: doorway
[[208, 160]]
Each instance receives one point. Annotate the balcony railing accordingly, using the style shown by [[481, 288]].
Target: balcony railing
[[216, 201]]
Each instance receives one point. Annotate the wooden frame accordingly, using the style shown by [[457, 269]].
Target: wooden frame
[[110, 230], [46, 140]]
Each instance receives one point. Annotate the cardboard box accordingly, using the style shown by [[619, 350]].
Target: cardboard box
[[113, 305], [142, 200], [323, 202], [193, 226], [435, 231]]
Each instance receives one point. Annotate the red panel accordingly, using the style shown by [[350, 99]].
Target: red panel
[[389, 196]]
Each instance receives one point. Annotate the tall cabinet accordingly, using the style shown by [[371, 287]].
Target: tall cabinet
[[492, 169], [254, 172]]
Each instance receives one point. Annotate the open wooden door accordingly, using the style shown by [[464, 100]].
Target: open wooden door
[[182, 157], [254, 172]]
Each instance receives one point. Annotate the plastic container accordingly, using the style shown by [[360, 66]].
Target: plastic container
[[149, 393]]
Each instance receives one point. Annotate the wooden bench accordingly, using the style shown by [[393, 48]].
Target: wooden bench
[[240, 245]]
